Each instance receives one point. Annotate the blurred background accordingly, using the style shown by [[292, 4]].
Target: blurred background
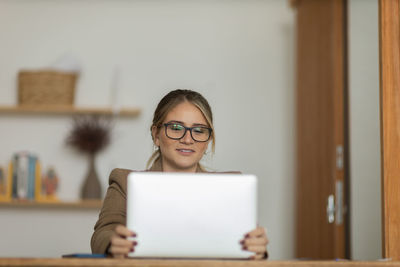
[[239, 54]]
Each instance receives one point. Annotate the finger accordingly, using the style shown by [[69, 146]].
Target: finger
[[120, 242], [123, 231], [259, 231], [256, 249], [120, 250], [257, 256], [257, 241]]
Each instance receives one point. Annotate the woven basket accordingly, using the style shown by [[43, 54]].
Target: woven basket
[[50, 88]]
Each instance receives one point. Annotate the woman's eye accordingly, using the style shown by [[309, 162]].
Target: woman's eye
[[199, 130], [176, 127]]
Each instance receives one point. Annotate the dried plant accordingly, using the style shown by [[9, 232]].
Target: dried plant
[[90, 134]]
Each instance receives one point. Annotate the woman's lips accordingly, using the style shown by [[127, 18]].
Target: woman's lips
[[185, 152]]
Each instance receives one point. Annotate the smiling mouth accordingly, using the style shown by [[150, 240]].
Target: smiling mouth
[[185, 150]]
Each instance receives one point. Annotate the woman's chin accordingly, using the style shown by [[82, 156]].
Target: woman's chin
[[186, 166]]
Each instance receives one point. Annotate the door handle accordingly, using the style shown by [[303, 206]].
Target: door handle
[[330, 209], [335, 211]]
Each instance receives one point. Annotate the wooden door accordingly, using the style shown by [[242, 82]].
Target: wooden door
[[321, 129]]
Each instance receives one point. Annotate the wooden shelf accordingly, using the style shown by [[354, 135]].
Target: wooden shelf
[[69, 110], [84, 204]]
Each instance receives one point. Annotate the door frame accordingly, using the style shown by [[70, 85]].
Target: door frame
[[389, 55]]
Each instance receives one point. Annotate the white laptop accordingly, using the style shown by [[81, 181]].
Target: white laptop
[[183, 215]]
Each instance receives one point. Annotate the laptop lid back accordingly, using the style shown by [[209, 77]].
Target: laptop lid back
[[191, 215]]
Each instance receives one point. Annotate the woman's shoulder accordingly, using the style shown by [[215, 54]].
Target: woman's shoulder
[[118, 177], [119, 174]]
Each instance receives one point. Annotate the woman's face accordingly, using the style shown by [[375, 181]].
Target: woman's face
[[184, 154]]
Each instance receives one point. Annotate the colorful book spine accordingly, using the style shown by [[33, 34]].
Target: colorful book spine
[[31, 177], [38, 181], [23, 175], [9, 180], [6, 195], [14, 193], [3, 184]]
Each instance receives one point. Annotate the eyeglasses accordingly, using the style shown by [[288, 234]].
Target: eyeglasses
[[176, 131]]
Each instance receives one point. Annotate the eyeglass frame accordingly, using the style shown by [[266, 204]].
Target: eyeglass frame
[[190, 129]]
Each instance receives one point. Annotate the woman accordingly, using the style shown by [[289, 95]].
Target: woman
[[182, 129]]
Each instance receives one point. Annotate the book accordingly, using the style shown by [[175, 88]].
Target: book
[[22, 175], [31, 177], [14, 177], [6, 196], [38, 181]]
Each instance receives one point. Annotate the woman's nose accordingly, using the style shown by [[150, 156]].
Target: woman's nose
[[187, 138]]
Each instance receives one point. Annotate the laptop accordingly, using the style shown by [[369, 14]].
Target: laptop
[[191, 215]]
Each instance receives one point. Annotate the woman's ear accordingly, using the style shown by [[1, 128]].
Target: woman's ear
[[155, 134]]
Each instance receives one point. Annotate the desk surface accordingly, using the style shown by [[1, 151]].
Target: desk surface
[[191, 263]]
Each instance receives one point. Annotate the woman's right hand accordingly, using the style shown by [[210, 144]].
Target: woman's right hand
[[120, 246]]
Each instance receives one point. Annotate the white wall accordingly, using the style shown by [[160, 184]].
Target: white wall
[[238, 54], [364, 130]]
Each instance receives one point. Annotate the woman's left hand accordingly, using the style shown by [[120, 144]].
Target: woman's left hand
[[256, 241]]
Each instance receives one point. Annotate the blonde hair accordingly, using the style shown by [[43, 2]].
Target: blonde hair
[[170, 101]]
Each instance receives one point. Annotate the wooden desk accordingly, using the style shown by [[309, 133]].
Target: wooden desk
[[180, 263]]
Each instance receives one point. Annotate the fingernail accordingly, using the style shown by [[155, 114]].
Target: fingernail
[[133, 234], [247, 236], [134, 243], [241, 242], [244, 247], [132, 249]]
